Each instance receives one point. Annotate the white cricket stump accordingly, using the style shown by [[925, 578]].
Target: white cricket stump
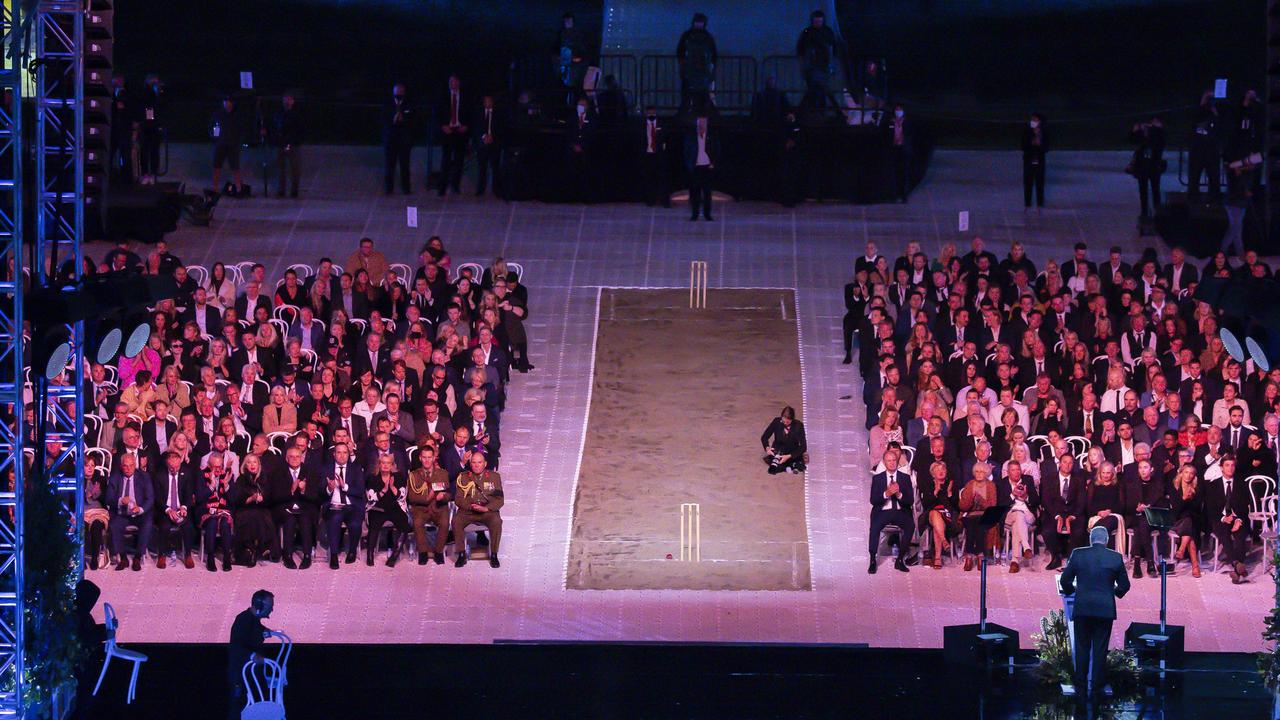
[[698, 284], [690, 532]]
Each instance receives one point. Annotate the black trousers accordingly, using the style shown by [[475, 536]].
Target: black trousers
[[653, 179], [149, 153], [1033, 180], [1141, 547], [353, 517], [1149, 193], [165, 527], [396, 152], [288, 160], [1062, 545], [1234, 544], [881, 518], [301, 523], [1206, 159], [789, 170], [489, 159], [901, 172], [700, 191], [1092, 637], [122, 160], [850, 327], [453, 149]]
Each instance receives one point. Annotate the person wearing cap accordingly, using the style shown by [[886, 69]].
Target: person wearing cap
[[696, 53], [1096, 575]]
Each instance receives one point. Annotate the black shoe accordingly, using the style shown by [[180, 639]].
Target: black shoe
[[482, 539], [1054, 563], [1137, 569], [368, 558], [848, 359], [208, 564], [280, 195], [391, 561], [137, 563], [226, 563], [871, 569], [288, 562], [900, 566], [333, 562], [422, 558], [693, 219], [439, 558], [493, 561], [294, 194], [253, 559], [462, 560], [1151, 568], [350, 558], [306, 562], [708, 218]]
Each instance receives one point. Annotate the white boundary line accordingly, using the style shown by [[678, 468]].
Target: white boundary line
[[582, 443], [804, 412]]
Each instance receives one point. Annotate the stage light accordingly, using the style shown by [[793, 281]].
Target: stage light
[[106, 344], [52, 351], [1233, 335], [138, 327]]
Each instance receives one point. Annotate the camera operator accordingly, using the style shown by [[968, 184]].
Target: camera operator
[[151, 130], [1148, 163], [226, 129]]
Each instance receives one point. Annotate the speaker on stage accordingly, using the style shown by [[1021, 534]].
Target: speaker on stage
[[1198, 227], [1145, 640], [971, 646]]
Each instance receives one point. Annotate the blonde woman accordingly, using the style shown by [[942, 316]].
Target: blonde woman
[[1104, 505], [1187, 507]]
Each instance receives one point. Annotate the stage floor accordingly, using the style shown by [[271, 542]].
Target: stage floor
[[569, 252]]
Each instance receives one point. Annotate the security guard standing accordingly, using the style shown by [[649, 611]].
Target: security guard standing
[[150, 130], [397, 139], [1206, 150], [428, 497], [479, 499]]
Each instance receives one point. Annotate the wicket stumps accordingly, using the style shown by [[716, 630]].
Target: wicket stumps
[[698, 284], [691, 532]]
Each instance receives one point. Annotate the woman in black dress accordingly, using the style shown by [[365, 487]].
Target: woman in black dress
[[1105, 506], [784, 443], [1187, 507], [254, 529], [386, 490], [940, 514]]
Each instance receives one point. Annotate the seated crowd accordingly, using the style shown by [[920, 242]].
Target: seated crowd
[[1076, 394], [260, 417]]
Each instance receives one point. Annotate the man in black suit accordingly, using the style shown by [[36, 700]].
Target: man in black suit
[[701, 152], [355, 425], [397, 139], [157, 431], [374, 357], [898, 131], [579, 138], [1079, 255], [250, 354], [383, 445], [855, 302], [453, 142], [1180, 273], [1226, 509], [455, 456], [1148, 489], [1095, 575], [205, 316], [344, 502], [355, 304], [653, 160], [1062, 499], [129, 498], [490, 133], [892, 497], [296, 496], [175, 498], [250, 300], [484, 433]]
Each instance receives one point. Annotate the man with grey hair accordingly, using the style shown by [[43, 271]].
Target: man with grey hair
[[1096, 576]]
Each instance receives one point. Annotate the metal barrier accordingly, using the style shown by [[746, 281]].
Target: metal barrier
[[624, 69], [735, 82]]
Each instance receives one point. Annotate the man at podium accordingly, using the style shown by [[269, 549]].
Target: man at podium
[[1096, 575]]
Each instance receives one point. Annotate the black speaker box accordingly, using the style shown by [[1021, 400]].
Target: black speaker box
[[962, 648], [1174, 652]]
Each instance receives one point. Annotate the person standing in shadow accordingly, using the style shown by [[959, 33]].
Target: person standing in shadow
[[1096, 575], [701, 151], [93, 636]]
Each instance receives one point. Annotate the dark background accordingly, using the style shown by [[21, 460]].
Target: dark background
[[975, 67]]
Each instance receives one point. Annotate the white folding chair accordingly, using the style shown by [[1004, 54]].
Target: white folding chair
[[1079, 445], [101, 456], [281, 326], [280, 436], [234, 275], [361, 324], [303, 270], [910, 453], [263, 699], [199, 273], [477, 271], [282, 657], [516, 268], [280, 313], [402, 271], [114, 650], [242, 269]]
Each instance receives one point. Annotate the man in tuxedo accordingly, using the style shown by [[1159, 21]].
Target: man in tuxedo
[[1095, 575], [175, 497], [1062, 499], [1226, 509], [892, 499], [296, 497], [157, 431], [130, 498], [701, 153], [490, 133], [653, 160], [344, 502], [205, 316], [355, 425]]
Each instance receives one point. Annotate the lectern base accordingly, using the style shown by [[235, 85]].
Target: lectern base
[[1145, 639]]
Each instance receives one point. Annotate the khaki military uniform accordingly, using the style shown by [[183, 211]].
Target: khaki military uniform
[[428, 498], [483, 489]]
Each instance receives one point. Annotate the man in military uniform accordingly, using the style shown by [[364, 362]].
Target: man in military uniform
[[696, 53], [428, 496], [479, 498]]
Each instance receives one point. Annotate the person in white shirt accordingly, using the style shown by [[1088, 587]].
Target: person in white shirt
[[701, 150], [371, 405]]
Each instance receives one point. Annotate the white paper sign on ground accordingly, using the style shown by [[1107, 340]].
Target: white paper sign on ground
[[413, 216], [964, 221], [246, 81]]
